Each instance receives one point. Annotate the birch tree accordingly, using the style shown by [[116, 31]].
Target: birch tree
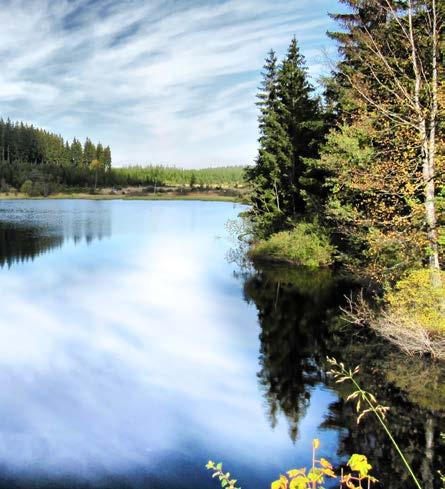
[[398, 82]]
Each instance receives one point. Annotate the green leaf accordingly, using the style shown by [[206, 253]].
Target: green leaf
[[359, 463]]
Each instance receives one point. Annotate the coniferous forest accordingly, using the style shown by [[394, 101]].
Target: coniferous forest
[[41, 162]]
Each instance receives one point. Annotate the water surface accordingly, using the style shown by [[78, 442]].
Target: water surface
[[132, 351]]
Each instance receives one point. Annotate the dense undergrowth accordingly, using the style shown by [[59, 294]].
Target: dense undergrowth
[[305, 245]]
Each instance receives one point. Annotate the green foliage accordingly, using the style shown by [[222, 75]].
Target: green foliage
[[306, 244], [284, 179], [27, 187], [416, 300], [373, 154], [224, 478], [306, 479], [224, 176], [29, 153], [366, 403], [312, 478]]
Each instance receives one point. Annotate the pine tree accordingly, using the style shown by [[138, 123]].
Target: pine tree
[[284, 180], [301, 115], [76, 153], [273, 155], [89, 153], [100, 153]]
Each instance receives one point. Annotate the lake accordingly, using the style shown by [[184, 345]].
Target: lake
[[134, 348]]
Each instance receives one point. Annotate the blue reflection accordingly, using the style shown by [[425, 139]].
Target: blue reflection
[[128, 356]]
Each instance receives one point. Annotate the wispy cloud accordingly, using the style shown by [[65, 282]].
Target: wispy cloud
[[160, 81]]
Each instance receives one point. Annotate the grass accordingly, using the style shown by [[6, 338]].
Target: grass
[[306, 244]]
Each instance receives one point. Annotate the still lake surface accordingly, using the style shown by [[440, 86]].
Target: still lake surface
[[133, 348]]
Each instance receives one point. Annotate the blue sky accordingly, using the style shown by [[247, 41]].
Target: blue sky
[[169, 82]]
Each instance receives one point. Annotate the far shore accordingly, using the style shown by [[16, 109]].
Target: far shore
[[214, 196]]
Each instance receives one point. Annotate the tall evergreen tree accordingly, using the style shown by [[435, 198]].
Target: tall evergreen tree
[[274, 154], [89, 153], [291, 129], [100, 153], [302, 118], [76, 153], [30, 153]]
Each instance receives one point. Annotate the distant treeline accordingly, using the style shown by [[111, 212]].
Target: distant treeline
[[38, 162], [29, 154], [224, 176]]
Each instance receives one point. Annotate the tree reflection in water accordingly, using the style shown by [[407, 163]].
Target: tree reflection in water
[[22, 239], [300, 318]]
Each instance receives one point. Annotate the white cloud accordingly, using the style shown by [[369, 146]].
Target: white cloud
[[170, 82]]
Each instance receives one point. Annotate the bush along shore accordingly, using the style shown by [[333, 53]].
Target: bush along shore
[[355, 180]]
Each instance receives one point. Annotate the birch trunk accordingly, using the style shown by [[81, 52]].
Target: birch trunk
[[427, 137]]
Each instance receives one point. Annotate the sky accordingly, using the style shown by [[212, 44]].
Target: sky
[[161, 82]]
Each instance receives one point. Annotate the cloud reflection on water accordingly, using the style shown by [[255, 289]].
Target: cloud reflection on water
[[132, 349]]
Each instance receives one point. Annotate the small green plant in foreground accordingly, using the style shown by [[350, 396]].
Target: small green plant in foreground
[[358, 478], [366, 403], [321, 468], [224, 477]]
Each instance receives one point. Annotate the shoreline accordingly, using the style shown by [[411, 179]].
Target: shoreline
[[197, 196]]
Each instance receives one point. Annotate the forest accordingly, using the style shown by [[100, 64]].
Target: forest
[[222, 176], [39, 162], [355, 177]]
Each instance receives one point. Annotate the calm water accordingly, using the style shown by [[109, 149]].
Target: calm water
[[132, 350]]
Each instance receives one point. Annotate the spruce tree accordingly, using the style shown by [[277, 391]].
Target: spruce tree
[[267, 196], [300, 115], [89, 153], [100, 153], [76, 153]]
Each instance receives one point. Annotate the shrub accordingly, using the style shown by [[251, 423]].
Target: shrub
[[27, 187], [306, 244], [38, 189], [415, 301]]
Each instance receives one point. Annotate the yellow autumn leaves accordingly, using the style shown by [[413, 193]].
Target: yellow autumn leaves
[[321, 468]]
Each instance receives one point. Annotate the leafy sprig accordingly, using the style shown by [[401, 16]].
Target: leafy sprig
[[371, 405], [224, 477]]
